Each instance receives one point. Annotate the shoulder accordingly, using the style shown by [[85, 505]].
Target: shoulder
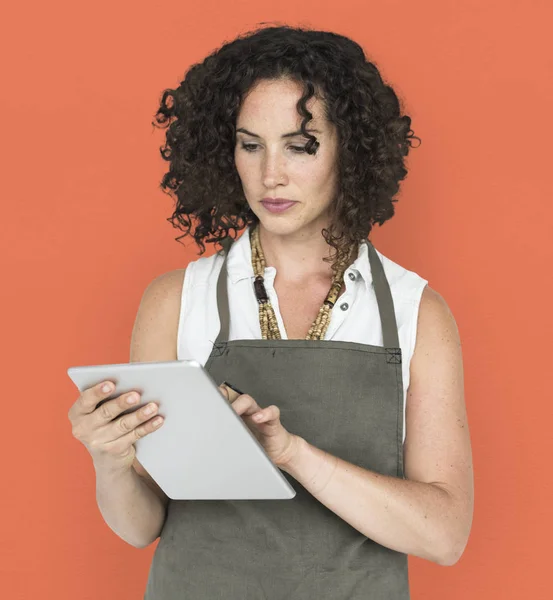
[[154, 335], [435, 318], [438, 342], [166, 285]]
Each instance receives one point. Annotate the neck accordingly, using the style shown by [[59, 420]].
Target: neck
[[297, 257]]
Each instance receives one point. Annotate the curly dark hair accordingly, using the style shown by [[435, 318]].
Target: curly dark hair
[[200, 117]]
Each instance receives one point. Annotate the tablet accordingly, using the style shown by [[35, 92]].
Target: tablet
[[204, 450]]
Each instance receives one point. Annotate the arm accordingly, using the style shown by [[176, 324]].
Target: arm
[[428, 514], [129, 506], [131, 503]]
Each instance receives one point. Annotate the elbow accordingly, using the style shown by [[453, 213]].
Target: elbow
[[451, 552], [453, 546], [143, 539], [448, 560], [141, 543]]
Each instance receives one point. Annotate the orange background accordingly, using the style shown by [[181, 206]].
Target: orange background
[[84, 231]]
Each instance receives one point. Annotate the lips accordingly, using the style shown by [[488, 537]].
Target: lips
[[277, 207], [277, 200]]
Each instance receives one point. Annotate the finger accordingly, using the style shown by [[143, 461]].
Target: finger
[[111, 409], [121, 444], [229, 393], [88, 400], [130, 422], [245, 405], [224, 391], [268, 416]]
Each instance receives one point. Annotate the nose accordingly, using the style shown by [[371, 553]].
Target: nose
[[274, 169]]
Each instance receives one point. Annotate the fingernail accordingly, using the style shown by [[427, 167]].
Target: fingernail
[[149, 409], [132, 399]]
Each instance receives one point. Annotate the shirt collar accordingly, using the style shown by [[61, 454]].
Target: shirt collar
[[239, 264]]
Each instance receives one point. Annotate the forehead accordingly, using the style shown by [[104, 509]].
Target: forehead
[[274, 102]]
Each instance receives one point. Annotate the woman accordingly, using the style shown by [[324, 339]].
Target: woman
[[292, 136]]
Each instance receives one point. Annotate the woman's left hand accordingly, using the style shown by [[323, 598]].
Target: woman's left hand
[[279, 444]]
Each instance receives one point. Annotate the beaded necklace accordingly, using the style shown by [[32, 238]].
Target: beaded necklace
[[267, 317]]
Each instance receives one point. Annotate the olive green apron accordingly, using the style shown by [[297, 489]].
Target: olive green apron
[[343, 397]]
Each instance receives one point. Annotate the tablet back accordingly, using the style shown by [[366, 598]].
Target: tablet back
[[203, 450]]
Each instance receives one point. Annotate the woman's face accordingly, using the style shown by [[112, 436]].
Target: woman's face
[[273, 166]]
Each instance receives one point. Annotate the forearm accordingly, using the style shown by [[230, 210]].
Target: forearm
[[130, 508], [406, 516]]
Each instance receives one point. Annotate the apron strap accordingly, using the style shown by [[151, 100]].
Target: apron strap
[[222, 294], [384, 300]]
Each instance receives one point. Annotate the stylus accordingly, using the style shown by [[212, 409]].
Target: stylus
[[232, 387]]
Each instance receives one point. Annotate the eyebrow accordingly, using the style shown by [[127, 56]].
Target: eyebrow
[[285, 135]]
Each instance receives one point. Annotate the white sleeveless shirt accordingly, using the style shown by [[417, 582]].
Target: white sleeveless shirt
[[354, 318]]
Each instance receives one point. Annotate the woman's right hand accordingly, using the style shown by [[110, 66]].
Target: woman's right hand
[[108, 439]]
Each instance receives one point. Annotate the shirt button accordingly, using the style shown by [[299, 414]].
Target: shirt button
[[351, 276], [344, 306]]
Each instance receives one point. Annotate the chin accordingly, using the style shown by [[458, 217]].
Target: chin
[[294, 229], [280, 225]]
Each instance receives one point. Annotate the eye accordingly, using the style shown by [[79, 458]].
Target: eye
[[252, 147]]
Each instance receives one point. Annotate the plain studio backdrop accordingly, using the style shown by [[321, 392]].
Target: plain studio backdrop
[[84, 231]]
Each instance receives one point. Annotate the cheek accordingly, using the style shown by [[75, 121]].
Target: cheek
[[243, 168], [246, 161], [314, 175]]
